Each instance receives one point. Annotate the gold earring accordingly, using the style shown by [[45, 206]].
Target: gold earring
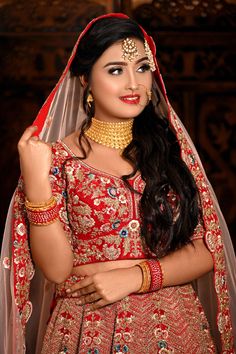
[[149, 95], [148, 53], [90, 100]]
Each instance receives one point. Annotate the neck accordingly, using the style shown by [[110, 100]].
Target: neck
[[114, 135]]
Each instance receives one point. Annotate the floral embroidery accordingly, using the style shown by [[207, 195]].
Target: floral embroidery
[[112, 191], [116, 224], [123, 233], [6, 263], [55, 171], [94, 236], [96, 209]]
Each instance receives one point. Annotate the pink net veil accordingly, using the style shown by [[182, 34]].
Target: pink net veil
[[26, 295]]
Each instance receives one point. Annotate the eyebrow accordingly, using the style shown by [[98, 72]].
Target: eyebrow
[[124, 63]]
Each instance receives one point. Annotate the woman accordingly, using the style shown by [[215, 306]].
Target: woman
[[118, 214]]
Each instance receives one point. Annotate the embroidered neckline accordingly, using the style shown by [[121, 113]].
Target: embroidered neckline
[[91, 168]]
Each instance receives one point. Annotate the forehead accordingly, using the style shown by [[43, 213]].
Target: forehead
[[115, 51]]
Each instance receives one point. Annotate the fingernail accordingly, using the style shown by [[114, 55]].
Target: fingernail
[[68, 291], [74, 294]]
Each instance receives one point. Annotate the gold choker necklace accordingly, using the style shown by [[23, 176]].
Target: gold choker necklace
[[113, 135]]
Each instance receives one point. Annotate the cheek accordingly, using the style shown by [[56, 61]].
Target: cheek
[[146, 80], [104, 86]]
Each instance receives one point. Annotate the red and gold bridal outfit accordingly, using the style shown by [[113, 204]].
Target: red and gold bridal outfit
[[167, 321], [101, 218]]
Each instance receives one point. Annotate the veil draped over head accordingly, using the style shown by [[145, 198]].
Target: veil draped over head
[[25, 294]]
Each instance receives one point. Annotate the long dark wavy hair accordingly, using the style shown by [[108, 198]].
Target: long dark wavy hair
[[154, 151]]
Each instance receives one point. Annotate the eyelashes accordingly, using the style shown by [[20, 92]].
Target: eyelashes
[[144, 67], [119, 70], [115, 71]]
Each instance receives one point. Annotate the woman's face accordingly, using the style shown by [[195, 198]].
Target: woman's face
[[119, 86]]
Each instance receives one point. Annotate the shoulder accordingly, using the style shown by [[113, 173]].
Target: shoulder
[[63, 150], [60, 153]]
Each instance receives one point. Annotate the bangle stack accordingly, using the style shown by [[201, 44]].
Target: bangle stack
[[152, 275], [146, 283], [42, 213]]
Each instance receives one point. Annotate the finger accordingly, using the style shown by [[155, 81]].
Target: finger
[[98, 304], [28, 133], [35, 138], [81, 284], [84, 291], [89, 298]]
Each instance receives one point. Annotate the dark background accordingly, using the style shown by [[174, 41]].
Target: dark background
[[196, 50]]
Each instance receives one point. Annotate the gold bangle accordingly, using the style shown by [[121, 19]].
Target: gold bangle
[[146, 277], [40, 206]]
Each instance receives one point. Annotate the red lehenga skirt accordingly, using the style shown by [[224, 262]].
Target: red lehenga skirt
[[170, 320]]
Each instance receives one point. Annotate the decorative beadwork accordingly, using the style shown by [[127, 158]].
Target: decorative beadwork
[[156, 274], [114, 135], [116, 224], [129, 49], [133, 316], [55, 171], [149, 54], [124, 233], [162, 344], [42, 214], [112, 192]]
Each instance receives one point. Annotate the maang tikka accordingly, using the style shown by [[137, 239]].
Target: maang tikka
[[130, 52], [129, 49]]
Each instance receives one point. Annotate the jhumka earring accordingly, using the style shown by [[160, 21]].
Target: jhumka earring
[[90, 99], [148, 53], [149, 95]]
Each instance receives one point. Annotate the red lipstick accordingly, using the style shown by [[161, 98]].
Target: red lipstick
[[130, 99]]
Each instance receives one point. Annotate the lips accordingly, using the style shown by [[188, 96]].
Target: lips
[[130, 99]]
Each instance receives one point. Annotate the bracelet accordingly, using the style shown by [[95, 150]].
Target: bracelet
[[156, 274], [42, 213], [146, 277], [39, 206], [152, 275]]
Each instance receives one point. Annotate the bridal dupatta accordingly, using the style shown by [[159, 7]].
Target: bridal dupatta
[[26, 295]]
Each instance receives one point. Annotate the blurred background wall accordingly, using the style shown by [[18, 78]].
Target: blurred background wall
[[196, 49]]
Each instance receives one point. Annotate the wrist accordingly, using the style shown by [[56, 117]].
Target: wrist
[[137, 276], [42, 214], [152, 275], [38, 191]]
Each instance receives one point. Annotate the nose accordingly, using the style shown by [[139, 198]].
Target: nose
[[132, 83]]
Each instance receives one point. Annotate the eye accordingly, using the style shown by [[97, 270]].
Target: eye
[[143, 68], [115, 71]]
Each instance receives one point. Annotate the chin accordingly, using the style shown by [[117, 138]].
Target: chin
[[132, 112]]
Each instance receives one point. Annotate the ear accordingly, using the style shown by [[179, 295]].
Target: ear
[[83, 81]]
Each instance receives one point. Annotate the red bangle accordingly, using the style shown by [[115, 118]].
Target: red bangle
[[156, 274], [42, 214]]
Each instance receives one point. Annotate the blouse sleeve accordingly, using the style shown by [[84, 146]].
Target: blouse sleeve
[[199, 232], [58, 185]]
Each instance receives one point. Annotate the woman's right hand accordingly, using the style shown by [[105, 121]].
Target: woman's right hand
[[35, 163]]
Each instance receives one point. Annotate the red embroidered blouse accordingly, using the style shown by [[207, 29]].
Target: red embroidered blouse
[[99, 212]]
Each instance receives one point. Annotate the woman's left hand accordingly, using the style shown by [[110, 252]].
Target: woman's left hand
[[105, 288]]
